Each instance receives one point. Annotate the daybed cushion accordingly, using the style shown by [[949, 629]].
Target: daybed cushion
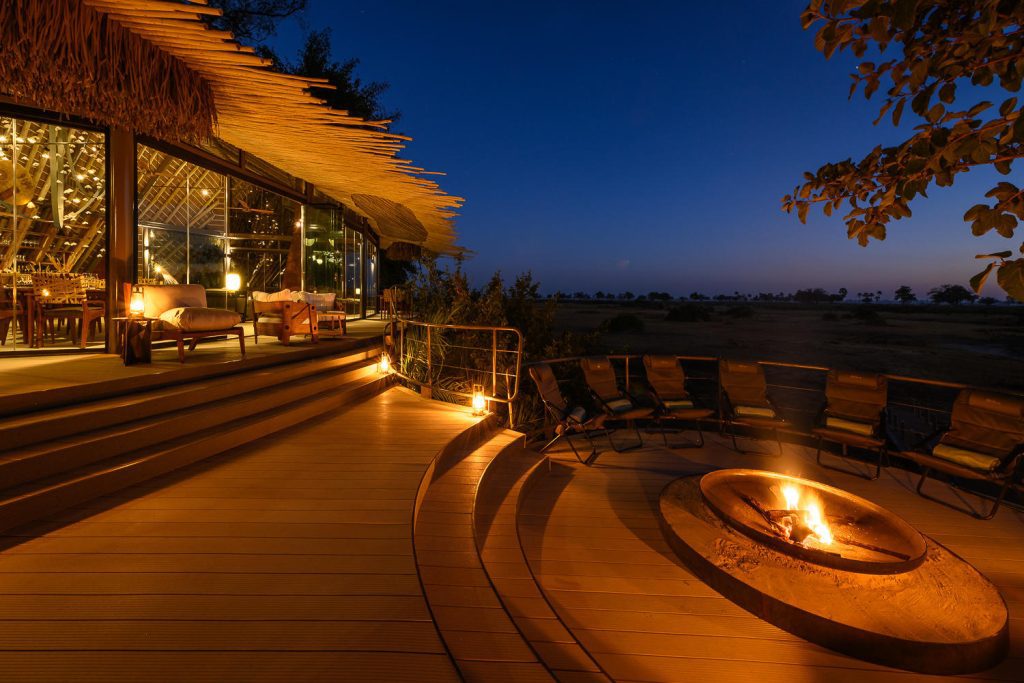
[[160, 298], [283, 295], [197, 319], [619, 405], [678, 404], [967, 458]]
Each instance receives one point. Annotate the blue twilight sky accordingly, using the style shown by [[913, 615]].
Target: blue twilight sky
[[640, 145]]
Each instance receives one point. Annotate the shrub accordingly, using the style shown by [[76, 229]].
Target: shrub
[[868, 316], [689, 313], [623, 323], [741, 311], [830, 316]]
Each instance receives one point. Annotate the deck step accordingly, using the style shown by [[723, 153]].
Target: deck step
[[144, 435], [501, 488], [49, 424], [479, 633]]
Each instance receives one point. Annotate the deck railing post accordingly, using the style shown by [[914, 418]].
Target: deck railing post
[[428, 389], [494, 362]]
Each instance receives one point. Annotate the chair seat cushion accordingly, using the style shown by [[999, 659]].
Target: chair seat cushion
[[755, 411], [270, 319], [619, 405], [577, 414], [853, 426], [196, 319], [974, 460], [677, 404]]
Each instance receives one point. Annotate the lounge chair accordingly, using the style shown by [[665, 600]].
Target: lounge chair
[[745, 402], [984, 442], [853, 415], [616, 405], [282, 315], [568, 420], [668, 387], [179, 312]]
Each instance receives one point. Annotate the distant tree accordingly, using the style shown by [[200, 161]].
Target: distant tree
[[950, 294], [395, 272], [599, 294], [253, 21], [697, 296], [580, 295], [930, 48], [812, 296], [628, 296], [841, 295], [987, 300], [904, 294]]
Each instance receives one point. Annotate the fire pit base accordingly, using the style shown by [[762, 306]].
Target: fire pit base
[[941, 617]]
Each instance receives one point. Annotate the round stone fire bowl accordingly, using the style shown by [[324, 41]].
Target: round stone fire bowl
[[866, 538], [937, 614]]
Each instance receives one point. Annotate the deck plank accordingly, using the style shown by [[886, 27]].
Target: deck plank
[[284, 560]]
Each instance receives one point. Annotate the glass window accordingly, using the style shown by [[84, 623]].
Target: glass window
[[353, 291], [372, 275], [182, 219], [52, 220], [323, 242], [265, 232]]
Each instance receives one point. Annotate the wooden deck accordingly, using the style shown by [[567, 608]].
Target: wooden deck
[[296, 559], [290, 560], [593, 541]]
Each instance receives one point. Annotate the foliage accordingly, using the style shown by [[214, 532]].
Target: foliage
[[741, 311], [395, 271], [689, 313], [930, 49], [950, 294], [623, 323], [253, 21], [818, 295], [347, 91], [904, 294]]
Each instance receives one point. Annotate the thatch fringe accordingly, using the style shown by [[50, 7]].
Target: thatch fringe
[[63, 56]]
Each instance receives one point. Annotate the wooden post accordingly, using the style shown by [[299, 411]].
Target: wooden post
[[428, 389], [494, 363], [121, 237]]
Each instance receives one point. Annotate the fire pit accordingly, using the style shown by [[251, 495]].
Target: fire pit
[[835, 569], [814, 522]]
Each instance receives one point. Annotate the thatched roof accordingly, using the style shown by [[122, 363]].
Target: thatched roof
[[266, 113]]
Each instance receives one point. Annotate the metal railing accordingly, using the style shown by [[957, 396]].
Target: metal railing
[[447, 361], [917, 409]]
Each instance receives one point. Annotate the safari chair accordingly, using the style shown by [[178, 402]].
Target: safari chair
[[280, 315], [179, 313], [984, 442], [854, 415], [616, 405], [568, 420], [668, 388], [743, 392], [62, 297]]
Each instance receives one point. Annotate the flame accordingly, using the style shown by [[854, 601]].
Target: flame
[[813, 516]]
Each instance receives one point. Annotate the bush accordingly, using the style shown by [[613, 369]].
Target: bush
[[868, 316], [741, 311], [623, 323], [829, 316], [689, 313]]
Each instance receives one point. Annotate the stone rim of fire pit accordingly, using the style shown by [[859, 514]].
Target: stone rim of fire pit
[[724, 492], [941, 617]]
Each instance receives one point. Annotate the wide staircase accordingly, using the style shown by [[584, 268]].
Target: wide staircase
[[60, 456]]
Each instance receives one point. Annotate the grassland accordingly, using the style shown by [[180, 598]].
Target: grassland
[[971, 344]]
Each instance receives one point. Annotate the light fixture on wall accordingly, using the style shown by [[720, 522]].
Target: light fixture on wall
[[232, 282]]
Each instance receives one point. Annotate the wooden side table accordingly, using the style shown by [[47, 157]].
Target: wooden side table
[[331, 323], [135, 339]]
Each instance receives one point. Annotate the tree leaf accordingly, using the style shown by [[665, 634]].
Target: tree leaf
[[1011, 278], [978, 281]]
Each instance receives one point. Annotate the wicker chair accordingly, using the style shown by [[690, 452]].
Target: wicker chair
[[567, 420], [62, 297], [984, 442], [668, 388], [745, 402], [616, 405], [854, 415]]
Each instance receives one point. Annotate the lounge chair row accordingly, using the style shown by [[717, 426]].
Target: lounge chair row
[[984, 440]]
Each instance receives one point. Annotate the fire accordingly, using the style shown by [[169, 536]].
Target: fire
[[813, 518]]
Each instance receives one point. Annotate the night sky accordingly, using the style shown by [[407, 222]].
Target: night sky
[[641, 145]]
